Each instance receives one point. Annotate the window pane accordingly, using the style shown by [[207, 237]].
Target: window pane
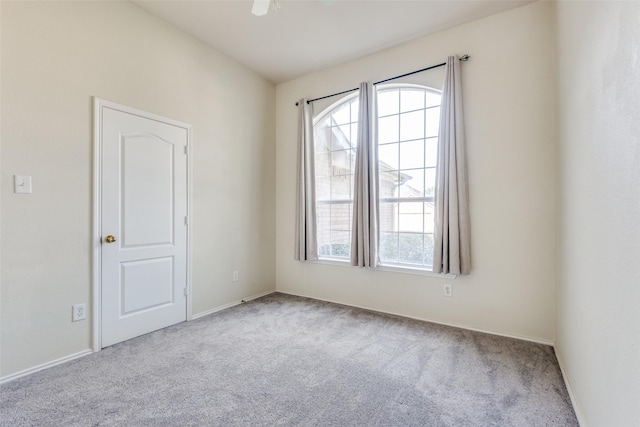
[[337, 139], [389, 247], [322, 139], [355, 104], [340, 244], [411, 99], [341, 115], [388, 183], [412, 126], [433, 121], [411, 248], [340, 218], [340, 187], [323, 164], [341, 162], [388, 129], [323, 188], [412, 183], [429, 181], [432, 98], [323, 215], [431, 152], [352, 160], [412, 154], [428, 218], [354, 135], [388, 102], [410, 216], [428, 249], [388, 156], [388, 216], [324, 248], [341, 137], [323, 124]]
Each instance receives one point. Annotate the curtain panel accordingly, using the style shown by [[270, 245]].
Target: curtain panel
[[365, 233], [306, 244], [452, 246]]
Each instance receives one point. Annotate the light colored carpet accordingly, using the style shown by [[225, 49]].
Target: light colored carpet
[[289, 361]]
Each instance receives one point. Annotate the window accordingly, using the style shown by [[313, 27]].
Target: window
[[335, 134], [408, 120]]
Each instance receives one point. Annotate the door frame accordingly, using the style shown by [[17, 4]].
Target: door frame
[[98, 105]]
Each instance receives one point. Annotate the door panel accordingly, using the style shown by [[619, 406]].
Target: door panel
[[144, 206], [146, 284], [147, 198]]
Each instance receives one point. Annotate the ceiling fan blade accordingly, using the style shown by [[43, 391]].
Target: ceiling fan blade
[[260, 7]]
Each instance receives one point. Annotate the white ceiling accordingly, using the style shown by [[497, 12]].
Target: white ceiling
[[308, 35]]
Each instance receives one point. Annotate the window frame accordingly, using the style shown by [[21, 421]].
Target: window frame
[[393, 267]]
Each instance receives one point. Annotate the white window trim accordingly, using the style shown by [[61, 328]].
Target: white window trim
[[391, 268]]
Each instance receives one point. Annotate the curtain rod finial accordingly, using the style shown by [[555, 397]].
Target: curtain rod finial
[[464, 58]]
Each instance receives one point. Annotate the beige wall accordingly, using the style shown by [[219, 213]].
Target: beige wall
[[55, 57], [509, 105], [598, 332]]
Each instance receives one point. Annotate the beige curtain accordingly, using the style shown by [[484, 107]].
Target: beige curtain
[[365, 227], [452, 248], [306, 244]]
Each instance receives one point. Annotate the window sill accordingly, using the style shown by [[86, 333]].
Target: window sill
[[394, 269]]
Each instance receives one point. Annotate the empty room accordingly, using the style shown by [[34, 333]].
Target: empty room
[[320, 213]]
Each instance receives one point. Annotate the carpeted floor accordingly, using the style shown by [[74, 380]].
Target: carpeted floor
[[289, 361]]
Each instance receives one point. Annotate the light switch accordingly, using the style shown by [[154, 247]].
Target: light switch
[[22, 184]]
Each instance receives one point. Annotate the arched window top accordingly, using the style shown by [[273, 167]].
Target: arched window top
[[432, 96]]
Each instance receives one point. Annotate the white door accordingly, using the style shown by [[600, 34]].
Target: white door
[[144, 198]]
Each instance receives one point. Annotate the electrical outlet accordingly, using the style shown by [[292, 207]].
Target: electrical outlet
[[236, 276], [447, 290], [79, 312]]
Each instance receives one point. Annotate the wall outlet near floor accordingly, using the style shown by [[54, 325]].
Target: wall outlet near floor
[[236, 276], [79, 312], [447, 290]]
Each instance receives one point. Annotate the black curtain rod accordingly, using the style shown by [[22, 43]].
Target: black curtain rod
[[462, 58]]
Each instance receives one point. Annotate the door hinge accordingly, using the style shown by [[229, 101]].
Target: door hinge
[[186, 149], [186, 220], [186, 292]]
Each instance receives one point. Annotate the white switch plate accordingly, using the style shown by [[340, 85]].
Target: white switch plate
[[236, 276], [22, 184]]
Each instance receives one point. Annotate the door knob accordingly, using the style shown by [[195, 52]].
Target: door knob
[[110, 239]]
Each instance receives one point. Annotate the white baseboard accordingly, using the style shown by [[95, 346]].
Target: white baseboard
[[71, 357], [252, 297], [231, 304], [574, 402], [43, 366], [423, 319]]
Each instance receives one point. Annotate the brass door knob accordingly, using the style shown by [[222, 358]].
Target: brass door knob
[[110, 239]]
